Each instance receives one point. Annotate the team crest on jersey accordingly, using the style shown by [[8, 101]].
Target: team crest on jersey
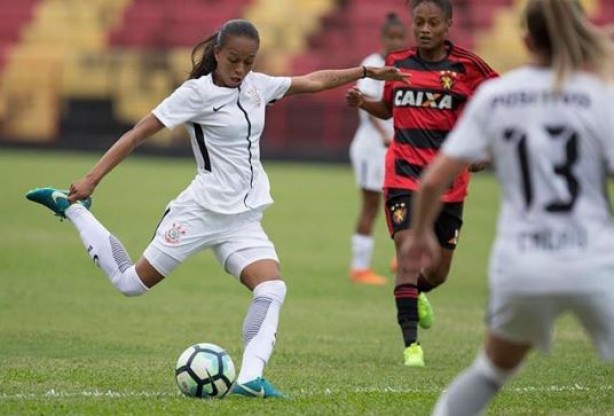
[[398, 213], [173, 234], [255, 95], [447, 79]]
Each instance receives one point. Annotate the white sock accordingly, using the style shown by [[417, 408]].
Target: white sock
[[106, 251], [362, 250], [472, 390], [260, 328]]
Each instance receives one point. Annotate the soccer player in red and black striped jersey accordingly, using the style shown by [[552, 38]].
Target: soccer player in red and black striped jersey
[[443, 77]]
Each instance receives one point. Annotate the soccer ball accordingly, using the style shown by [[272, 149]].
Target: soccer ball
[[205, 370]]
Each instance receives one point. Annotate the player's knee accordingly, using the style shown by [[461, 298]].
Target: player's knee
[[499, 376], [437, 277], [128, 283], [130, 292]]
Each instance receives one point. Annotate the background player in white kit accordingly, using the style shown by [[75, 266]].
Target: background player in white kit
[[549, 130], [222, 106], [368, 155]]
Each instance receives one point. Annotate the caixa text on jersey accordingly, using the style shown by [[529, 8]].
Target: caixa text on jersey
[[405, 97]]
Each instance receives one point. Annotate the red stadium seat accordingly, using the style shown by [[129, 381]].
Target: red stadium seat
[[171, 23], [15, 16]]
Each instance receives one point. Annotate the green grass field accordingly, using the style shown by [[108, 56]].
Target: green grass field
[[71, 344]]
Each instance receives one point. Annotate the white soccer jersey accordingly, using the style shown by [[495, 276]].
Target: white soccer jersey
[[551, 154], [225, 125], [367, 139]]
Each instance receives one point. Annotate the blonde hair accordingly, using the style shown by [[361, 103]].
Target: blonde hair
[[560, 31]]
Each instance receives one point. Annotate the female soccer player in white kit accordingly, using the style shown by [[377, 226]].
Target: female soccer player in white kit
[[222, 106], [548, 128], [368, 155]]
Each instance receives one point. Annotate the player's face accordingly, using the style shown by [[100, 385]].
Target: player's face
[[394, 39], [234, 60], [430, 26]]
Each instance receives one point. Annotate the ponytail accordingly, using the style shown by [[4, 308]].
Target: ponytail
[[206, 63], [561, 32]]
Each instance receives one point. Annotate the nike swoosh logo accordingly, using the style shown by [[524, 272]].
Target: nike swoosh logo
[[56, 194], [258, 393], [216, 109]]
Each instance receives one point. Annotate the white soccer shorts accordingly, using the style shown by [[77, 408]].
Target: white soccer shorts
[[368, 170], [529, 319], [236, 240]]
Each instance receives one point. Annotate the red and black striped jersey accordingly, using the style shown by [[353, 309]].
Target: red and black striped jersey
[[426, 109]]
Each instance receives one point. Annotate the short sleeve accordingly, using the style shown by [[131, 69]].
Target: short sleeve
[[468, 140], [185, 103], [608, 133], [272, 88]]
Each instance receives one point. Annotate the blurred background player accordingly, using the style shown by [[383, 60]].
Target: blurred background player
[[222, 105], [548, 128], [368, 154], [443, 77]]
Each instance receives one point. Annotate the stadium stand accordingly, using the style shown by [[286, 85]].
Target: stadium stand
[[99, 65], [173, 23], [500, 42], [53, 33]]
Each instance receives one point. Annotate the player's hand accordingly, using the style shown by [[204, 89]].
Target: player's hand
[[419, 252], [81, 189], [388, 73], [354, 97]]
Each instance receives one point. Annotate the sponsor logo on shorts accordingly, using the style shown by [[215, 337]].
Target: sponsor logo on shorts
[[173, 234], [398, 213], [454, 240]]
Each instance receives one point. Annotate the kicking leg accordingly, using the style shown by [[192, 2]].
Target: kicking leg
[[105, 249], [109, 254]]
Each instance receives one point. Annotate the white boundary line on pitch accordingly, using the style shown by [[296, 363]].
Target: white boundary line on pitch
[[55, 394]]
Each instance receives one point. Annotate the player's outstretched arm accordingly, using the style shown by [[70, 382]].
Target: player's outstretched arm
[[330, 78], [146, 127]]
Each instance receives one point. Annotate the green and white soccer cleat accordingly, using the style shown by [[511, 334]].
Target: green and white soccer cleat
[[55, 199], [413, 356], [259, 387], [426, 316]]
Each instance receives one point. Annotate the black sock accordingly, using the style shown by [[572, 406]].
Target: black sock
[[424, 285], [406, 297]]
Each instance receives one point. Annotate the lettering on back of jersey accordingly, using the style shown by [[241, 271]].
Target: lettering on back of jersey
[[406, 97], [553, 240], [541, 97]]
